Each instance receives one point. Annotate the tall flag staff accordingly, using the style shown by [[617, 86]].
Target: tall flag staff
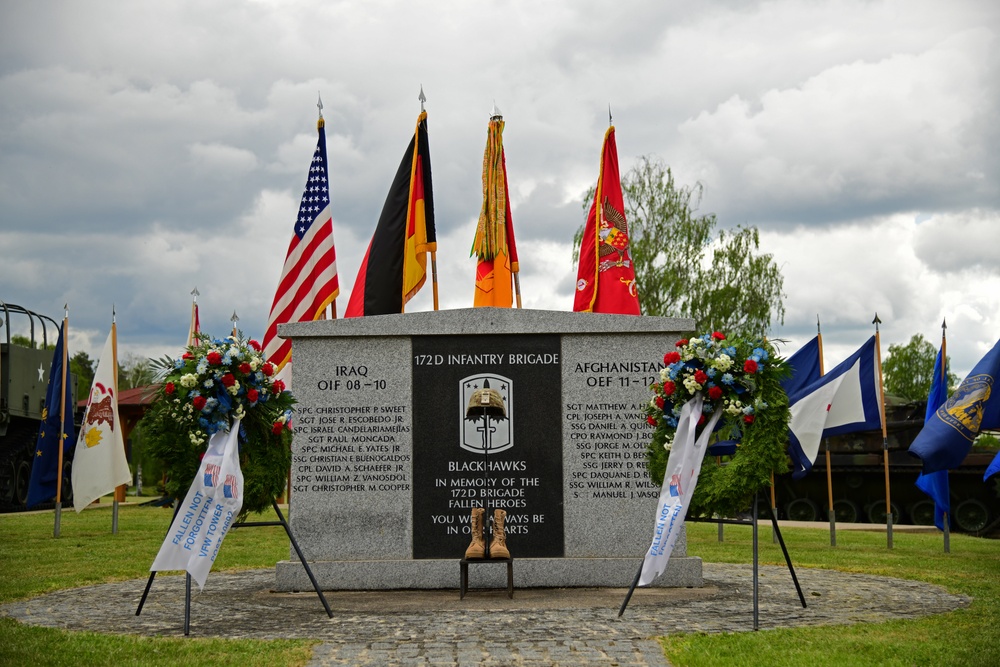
[[494, 242], [62, 418], [53, 432], [606, 277], [885, 435], [935, 484], [829, 467], [432, 240], [119, 489], [309, 281], [100, 464], [395, 265], [195, 328]]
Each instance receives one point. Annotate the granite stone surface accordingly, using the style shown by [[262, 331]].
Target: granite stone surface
[[390, 454]]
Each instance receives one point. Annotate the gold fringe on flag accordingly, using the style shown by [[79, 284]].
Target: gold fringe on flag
[[491, 232]]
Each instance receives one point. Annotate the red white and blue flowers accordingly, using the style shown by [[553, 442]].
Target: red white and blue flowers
[[725, 372], [204, 391]]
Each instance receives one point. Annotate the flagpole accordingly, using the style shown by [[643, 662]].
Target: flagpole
[[62, 422], [193, 329], [945, 524], [434, 262], [114, 369], [320, 123], [885, 436], [829, 466]]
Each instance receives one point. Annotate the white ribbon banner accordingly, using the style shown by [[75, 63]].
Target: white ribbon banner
[[211, 506], [679, 481]]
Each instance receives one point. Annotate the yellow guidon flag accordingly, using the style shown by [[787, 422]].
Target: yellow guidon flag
[[494, 242]]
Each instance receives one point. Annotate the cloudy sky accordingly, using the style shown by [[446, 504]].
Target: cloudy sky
[[150, 148]]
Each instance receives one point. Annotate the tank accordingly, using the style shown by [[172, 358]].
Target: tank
[[23, 383], [858, 480]]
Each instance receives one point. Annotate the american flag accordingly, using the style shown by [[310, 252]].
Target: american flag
[[308, 281]]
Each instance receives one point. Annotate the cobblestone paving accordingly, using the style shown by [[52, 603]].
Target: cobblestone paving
[[578, 627]]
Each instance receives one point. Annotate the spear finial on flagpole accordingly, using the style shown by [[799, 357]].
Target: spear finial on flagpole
[[319, 103], [885, 436], [817, 324], [194, 294], [610, 120], [496, 113], [234, 319], [113, 315], [422, 98]]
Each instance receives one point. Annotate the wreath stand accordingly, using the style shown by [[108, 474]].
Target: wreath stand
[[756, 559], [242, 524]]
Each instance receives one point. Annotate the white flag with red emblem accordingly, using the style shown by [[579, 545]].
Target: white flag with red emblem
[[211, 506], [99, 465]]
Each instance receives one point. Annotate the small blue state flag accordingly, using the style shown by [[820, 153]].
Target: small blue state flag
[[947, 437], [935, 484]]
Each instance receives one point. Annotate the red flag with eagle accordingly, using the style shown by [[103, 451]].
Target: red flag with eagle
[[309, 280], [99, 465], [494, 242], [606, 278], [395, 265]]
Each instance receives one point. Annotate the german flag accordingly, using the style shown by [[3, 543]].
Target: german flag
[[494, 242], [395, 265], [606, 277]]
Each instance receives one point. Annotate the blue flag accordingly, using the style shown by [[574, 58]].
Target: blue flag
[[845, 400], [935, 484], [993, 468], [805, 365], [946, 438], [45, 463]]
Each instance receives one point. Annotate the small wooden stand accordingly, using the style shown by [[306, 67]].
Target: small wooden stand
[[464, 569]]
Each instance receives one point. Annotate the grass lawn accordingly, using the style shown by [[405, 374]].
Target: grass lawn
[[964, 637], [33, 563]]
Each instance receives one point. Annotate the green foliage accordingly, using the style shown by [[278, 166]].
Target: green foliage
[[755, 415], [83, 366], [135, 371], [740, 291], [203, 393], [908, 369], [987, 440]]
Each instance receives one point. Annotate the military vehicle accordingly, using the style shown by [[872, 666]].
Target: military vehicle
[[24, 376], [858, 480]]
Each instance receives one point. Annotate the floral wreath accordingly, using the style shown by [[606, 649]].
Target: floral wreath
[[743, 379], [212, 384]]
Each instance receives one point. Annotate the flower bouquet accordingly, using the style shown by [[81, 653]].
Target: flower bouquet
[[742, 379], [214, 383]]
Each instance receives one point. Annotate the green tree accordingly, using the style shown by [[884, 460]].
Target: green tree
[[740, 291], [83, 366], [908, 369], [135, 371]]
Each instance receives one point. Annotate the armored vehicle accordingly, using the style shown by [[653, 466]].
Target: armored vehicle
[[858, 480], [24, 375]]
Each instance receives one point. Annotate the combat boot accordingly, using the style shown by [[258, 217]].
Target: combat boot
[[477, 549], [498, 545]]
